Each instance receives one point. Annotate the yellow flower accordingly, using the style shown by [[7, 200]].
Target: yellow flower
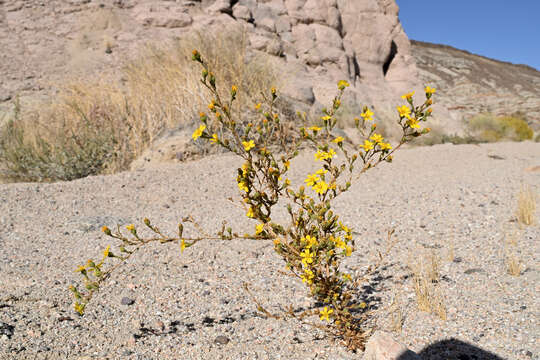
[[197, 133], [308, 276], [322, 155], [413, 123], [408, 96], [106, 230], [368, 145], [130, 227], [242, 186], [367, 114], [311, 179], [338, 140], [234, 89], [258, 106], [250, 213], [307, 257], [315, 128], [430, 90], [348, 251], [310, 240], [277, 242], [376, 137], [287, 164], [403, 110], [273, 90], [245, 168], [182, 245], [385, 146], [214, 139], [325, 313], [321, 187], [342, 84], [248, 145], [81, 269], [287, 182], [212, 106], [327, 117], [321, 172], [259, 229], [344, 228], [347, 277], [107, 251]]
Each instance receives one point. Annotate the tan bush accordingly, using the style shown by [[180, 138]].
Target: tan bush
[[100, 126]]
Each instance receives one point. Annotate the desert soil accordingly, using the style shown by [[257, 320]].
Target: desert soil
[[455, 201]]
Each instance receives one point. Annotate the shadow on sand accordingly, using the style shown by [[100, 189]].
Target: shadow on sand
[[453, 349]]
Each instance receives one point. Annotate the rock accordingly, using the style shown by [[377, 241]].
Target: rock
[[127, 301], [6, 330], [381, 346], [221, 340], [220, 6], [241, 12]]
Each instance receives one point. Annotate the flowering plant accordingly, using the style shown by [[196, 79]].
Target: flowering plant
[[315, 241]]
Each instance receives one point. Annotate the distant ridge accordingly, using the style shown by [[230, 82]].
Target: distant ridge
[[451, 48]]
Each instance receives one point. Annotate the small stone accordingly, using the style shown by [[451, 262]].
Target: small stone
[[474, 271], [381, 346], [127, 301], [221, 340], [6, 330]]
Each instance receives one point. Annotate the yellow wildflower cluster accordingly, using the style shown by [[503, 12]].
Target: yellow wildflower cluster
[[314, 242]]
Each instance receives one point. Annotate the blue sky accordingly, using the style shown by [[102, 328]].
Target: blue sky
[[501, 29]]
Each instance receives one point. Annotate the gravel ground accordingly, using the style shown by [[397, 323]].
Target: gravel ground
[[455, 201]]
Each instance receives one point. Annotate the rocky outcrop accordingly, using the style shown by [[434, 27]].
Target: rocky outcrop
[[314, 43], [319, 41], [469, 84]]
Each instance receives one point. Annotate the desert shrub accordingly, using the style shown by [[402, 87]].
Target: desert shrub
[[100, 126], [70, 147], [315, 241], [490, 128]]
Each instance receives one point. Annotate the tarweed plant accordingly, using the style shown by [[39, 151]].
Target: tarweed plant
[[315, 240]]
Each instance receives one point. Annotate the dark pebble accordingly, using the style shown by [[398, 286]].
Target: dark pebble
[[457, 260], [529, 354], [208, 321], [6, 329], [127, 301], [474, 271], [221, 340]]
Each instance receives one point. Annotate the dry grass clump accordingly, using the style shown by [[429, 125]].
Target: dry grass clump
[[101, 126], [426, 281], [526, 206], [512, 263], [396, 313]]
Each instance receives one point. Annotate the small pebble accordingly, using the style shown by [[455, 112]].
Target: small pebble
[[127, 301], [221, 340]]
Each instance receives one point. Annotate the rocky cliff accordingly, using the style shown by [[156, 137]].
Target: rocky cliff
[[314, 42]]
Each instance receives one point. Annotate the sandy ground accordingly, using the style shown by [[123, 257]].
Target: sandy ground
[[455, 201]]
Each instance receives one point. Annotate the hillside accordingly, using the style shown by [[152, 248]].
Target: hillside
[[470, 84]]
